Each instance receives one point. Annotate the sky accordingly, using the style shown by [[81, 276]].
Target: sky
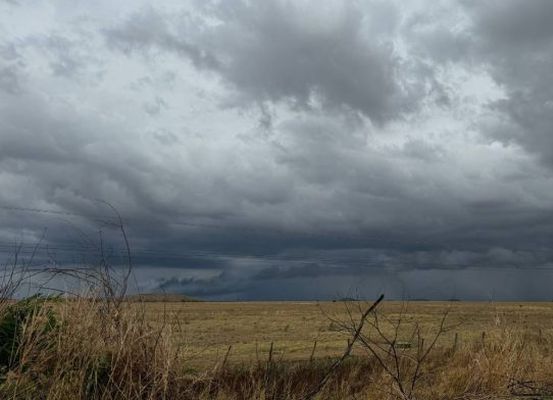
[[272, 150]]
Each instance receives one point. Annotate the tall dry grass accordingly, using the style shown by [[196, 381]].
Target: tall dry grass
[[76, 350], [89, 348]]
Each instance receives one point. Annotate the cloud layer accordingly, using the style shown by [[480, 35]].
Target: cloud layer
[[286, 149]]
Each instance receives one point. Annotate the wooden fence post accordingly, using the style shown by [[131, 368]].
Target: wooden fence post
[[313, 352], [455, 342], [271, 353]]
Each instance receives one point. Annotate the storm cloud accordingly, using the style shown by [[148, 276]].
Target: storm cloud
[[274, 150]]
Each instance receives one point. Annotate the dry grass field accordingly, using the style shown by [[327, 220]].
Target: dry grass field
[[100, 348], [207, 329]]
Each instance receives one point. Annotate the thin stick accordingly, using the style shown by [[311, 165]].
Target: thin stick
[[226, 357], [347, 351]]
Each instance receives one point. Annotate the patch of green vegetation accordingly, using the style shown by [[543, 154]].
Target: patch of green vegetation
[[98, 375], [12, 325]]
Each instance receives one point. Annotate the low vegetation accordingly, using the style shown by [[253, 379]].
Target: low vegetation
[[98, 348]]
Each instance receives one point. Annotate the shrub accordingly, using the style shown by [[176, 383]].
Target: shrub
[[13, 323]]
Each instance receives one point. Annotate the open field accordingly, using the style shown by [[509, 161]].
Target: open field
[[104, 349], [207, 329]]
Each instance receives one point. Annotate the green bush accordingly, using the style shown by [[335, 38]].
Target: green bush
[[12, 325]]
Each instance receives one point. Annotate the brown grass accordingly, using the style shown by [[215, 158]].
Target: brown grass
[[208, 328], [101, 350]]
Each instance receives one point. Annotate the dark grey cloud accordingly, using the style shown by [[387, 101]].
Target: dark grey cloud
[[513, 26], [512, 41], [517, 39], [258, 150], [277, 51]]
